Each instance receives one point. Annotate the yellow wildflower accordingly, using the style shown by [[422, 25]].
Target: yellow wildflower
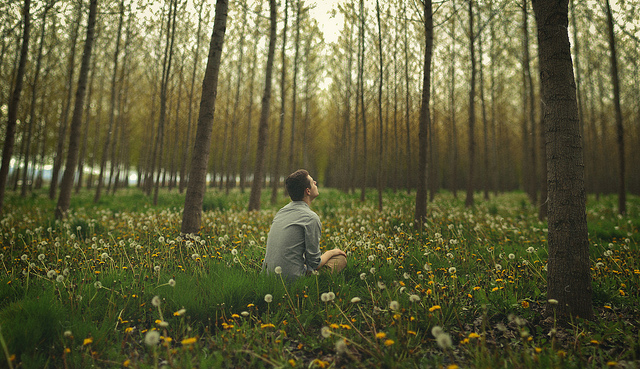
[[87, 341], [189, 341], [434, 308], [381, 335], [389, 342]]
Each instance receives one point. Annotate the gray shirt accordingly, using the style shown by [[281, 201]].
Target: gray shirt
[[293, 242]]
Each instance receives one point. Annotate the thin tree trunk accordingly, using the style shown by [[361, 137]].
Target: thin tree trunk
[[258, 176], [363, 109], [34, 94], [283, 98], [192, 214], [380, 122], [9, 140], [294, 93], [622, 192], [105, 148], [62, 131], [421, 192], [76, 120], [472, 112]]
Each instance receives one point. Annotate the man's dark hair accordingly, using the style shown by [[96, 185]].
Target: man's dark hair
[[297, 183]]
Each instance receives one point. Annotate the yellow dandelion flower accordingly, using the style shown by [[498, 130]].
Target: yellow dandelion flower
[[561, 353], [474, 335], [128, 330], [494, 289], [434, 308], [525, 304], [67, 350], [334, 326], [476, 288], [452, 366], [292, 362], [189, 341], [268, 325], [595, 342], [87, 341], [381, 335], [322, 364], [235, 316], [411, 333], [389, 342], [538, 350], [612, 363]]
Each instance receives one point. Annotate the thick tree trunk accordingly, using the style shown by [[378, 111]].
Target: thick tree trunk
[[192, 214], [421, 193], [9, 141], [258, 173], [66, 185], [569, 275]]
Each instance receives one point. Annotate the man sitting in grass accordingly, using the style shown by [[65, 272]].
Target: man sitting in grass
[[293, 243]]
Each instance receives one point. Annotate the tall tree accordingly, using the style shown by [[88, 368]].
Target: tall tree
[[472, 111], [283, 99], [192, 214], [380, 118], [294, 88], [258, 173], [569, 274], [615, 80], [66, 185], [12, 117], [425, 118], [363, 109], [34, 95], [112, 107], [64, 115], [164, 87]]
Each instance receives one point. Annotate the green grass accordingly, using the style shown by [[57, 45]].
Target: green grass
[[84, 294]]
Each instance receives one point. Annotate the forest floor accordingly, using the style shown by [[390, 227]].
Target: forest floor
[[116, 285]]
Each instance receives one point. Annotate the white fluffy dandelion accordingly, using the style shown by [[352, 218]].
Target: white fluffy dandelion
[[155, 301], [278, 270], [268, 298], [152, 338]]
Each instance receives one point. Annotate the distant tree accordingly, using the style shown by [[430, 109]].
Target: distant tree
[[192, 214], [283, 102], [12, 116], [34, 95], [615, 80], [569, 273], [472, 111], [425, 118], [66, 185], [64, 114], [258, 173], [112, 107]]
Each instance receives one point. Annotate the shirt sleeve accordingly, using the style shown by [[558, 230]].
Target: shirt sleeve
[[312, 232]]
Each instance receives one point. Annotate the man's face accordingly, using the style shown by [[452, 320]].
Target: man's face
[[313, 190]]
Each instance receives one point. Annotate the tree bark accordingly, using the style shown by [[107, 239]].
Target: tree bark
[[569, 275], [472, 112], [258, 173], [421, 192], [615, 80], [34, 90], [380, 119], [66, 185], [62, 129], [192, 214], [275, 182], [9, 141]]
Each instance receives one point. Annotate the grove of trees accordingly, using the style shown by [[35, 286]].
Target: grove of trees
[[346, 109]]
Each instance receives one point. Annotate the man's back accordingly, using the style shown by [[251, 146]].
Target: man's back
[[293, 242]]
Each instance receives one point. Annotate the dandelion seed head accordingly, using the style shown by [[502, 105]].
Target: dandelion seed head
[[278, 270], [51, 273], [414, 298], [444, 340], [394, 305], [355, 300], [498, 267], [381, 285], [41, 257], [152, 338], [437, 330], [363, 276], [325, 332], [234, 252], [268, 298], [452, 270], [60, 278], [24, 257], [97, 284], [512, 256], [155, 301], [171, 282], [341, 346]]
